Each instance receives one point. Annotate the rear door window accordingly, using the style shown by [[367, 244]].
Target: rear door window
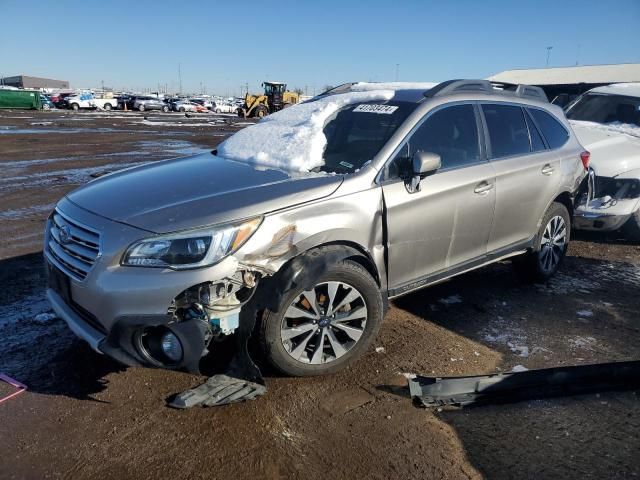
[[551, 128], [508, 133]]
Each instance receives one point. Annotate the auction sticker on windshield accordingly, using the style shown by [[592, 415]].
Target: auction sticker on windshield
[[382, 109]]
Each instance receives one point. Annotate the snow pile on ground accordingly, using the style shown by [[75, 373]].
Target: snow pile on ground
[[292, 139], [614, 127], [368, 86]]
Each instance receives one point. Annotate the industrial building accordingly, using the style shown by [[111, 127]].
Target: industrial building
[[25, 81], [571, 81]]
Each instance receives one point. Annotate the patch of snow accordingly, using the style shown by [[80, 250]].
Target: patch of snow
[[293, 139], [520, 350], [451, 300], [584, 313], [45, 317], [582, 342], [41, 123], [379, 349], [519, 368], [615, 127], [408, 376], [18, 213], [368, 86]]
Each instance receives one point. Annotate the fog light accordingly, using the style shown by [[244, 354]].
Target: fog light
[[171, 347]]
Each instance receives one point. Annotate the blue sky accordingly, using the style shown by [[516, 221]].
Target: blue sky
[[139, 44]]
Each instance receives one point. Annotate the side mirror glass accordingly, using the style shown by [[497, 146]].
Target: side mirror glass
[[423, 164]]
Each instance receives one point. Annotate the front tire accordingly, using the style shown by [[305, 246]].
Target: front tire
[[165, 108], [75, 107], [550, 246], [141, 108], [323, 329], [107, 106]]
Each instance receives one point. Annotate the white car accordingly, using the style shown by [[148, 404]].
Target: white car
[[184, 106], [87, 100], [220, 107], [606, 120]]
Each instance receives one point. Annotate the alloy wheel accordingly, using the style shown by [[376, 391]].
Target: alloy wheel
[[324, 323], [553, 244]]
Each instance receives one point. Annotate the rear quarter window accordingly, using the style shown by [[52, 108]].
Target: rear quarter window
[[551, 129]]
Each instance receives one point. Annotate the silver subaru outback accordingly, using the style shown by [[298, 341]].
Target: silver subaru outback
[[155, 265]]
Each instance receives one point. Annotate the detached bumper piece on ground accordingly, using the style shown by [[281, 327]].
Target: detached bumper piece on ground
[[527, 385]]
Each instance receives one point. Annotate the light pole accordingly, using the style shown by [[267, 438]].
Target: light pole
[[548, 55], [180, 77]]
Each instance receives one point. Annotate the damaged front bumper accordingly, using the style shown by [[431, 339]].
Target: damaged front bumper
[[128, 312], [612, 203]]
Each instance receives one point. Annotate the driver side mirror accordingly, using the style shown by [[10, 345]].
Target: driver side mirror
[[423, 164]]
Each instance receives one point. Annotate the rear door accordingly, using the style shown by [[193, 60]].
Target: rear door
[[448, 221], [527, 173]]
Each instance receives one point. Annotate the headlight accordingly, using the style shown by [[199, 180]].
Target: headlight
[[190, 249]]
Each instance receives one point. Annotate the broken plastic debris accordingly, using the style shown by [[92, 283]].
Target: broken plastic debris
[[380, 349], [219, 390]]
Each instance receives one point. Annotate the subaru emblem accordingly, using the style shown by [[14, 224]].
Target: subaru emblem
[[65, 234]]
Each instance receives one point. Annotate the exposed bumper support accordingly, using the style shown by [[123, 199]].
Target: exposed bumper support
[[518, 386]]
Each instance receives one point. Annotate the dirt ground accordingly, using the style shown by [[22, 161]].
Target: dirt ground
[[84, 416]]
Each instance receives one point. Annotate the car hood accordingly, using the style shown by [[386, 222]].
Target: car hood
[[191, 192], [612, 151]]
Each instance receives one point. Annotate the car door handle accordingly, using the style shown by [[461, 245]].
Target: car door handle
[[483, 188], [547, 169]]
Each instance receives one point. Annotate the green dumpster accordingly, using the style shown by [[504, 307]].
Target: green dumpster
[[25, 99]]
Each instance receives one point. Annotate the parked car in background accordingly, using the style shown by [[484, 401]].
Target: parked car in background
[[220, 107], [607, 122], [205, 102], [89, 101], [182, 105], [151, 265], [201, 108], [60, 99], [143, 103], [46, 102]]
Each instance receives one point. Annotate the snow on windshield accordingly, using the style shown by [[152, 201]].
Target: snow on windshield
[[293, 139], [616, 127]]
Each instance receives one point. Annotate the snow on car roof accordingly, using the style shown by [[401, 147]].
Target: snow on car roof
[[366, 86], [629, 89], [293, 139]]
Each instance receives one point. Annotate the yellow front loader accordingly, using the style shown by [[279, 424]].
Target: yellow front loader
[[275, 98]]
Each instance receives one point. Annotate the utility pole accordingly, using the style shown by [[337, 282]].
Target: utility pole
[[397, 70], [180, 77], [102, 82], [247, 87], [578, 55], [548, 55]]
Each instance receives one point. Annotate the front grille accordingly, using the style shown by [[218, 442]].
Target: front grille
[[73, 246]]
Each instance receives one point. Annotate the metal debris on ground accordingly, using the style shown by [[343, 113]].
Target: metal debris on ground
[[524, 385]]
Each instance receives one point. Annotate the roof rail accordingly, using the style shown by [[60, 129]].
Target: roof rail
[[485, 86]]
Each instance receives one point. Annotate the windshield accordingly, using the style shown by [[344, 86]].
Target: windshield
[[355, 134], [606, 108]]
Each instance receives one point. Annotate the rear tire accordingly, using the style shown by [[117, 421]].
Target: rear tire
[[325, 344], [631, 229], [75, 107], [165, 108], [218, 110], [107, 106], [141, 108], [550, 246]]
